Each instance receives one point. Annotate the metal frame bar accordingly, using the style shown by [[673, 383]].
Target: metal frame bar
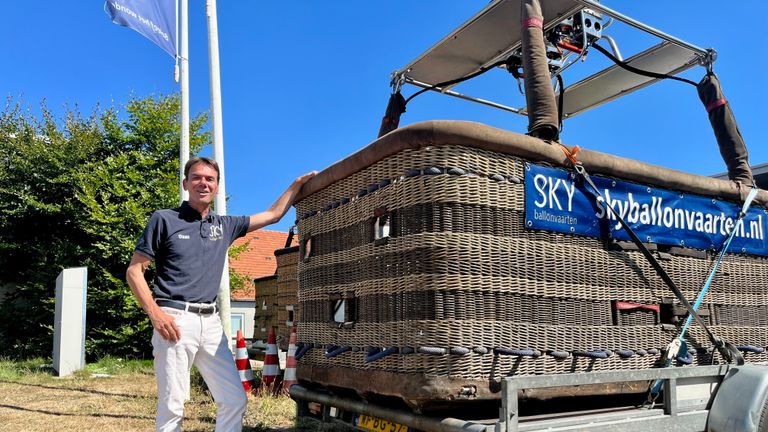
[[421, 422], [670, 397], [559, 380], [479, 15], [707, 56], [410, 80], [592, 4], [639, 421], [546, 28], [614, 47], [510, 387], [671, 418]]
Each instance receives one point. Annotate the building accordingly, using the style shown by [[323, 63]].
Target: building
[[759, 173], [256, 261]]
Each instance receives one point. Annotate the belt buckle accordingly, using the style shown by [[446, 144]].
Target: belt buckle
[[205, 310]]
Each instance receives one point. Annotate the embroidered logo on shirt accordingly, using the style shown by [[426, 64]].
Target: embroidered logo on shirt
[[184, 236], [216, 232]]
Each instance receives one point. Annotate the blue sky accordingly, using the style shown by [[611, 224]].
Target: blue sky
[[305, 83]]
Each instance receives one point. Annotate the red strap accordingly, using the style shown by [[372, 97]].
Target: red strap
[[629, 306], [532, 22], [715, 104]]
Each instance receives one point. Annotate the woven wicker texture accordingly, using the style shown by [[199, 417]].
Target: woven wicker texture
[[265, 315], [287, 294], [457, 286]]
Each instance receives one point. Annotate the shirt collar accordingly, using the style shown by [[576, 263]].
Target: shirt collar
[[188, 213]]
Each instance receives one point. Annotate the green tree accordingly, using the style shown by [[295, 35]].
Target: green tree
[[78, 194]]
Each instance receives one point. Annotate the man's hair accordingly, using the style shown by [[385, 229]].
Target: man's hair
[[203, 160]]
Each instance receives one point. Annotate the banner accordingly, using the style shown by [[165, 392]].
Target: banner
[[155, 19], [556, 201]]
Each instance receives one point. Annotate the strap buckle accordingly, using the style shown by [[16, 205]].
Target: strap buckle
[[580, 169], [673, 349]]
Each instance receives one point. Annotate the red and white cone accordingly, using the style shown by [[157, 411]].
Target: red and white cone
[[271, 369], [289, 377], [243, 365]]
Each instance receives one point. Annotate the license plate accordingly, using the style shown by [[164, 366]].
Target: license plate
[[374, 424]]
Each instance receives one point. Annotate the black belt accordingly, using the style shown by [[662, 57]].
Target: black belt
[[203, 310]]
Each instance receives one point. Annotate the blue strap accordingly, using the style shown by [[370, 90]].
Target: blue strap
[[723, 250], [751, 349], [336, 351], [744, 208], [373, 356], [303, 349], [687, 359]]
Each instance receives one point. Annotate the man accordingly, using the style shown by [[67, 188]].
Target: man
[[188, 245]]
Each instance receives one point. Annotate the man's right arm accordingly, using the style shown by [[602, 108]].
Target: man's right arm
[[281, 206], [161, 321]]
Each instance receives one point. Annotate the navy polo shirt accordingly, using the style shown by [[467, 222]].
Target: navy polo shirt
[[189, 251]]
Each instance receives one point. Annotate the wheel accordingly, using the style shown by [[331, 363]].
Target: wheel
[[763, 425]]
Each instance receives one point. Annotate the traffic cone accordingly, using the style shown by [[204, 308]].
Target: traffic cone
[[289, 377], [243, 365], [271, 369]]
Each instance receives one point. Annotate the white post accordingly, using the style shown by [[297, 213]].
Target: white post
[[218, 152], [69, 321], [184, 65]]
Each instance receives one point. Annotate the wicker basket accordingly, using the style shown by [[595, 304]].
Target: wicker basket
[[265, 315], [287, 295], [418, 278]]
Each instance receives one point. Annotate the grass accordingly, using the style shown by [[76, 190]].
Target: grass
[[23, 368], [115, 366], [266, 411], [117, 395]]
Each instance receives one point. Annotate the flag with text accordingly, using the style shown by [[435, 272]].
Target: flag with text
[[154, 19]]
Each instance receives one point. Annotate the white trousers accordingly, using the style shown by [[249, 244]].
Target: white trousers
[[204, 345]]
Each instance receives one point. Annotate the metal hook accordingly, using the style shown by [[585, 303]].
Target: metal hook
[[708, 61], [650, 402], [519, 86], [397, 81]]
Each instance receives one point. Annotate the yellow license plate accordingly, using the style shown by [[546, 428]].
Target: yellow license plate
[[378, 425]]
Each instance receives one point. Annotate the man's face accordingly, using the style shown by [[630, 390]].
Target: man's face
[[202, 184]]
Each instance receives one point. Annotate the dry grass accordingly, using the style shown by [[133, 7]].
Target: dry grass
[[32, 399]]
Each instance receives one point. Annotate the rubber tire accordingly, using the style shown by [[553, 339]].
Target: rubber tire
[[763, 425]]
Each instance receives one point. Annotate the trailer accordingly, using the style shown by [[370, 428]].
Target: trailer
[[444, 287], [702, 398]]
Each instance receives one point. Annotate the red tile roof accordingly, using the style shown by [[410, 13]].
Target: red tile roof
[[258, 259]]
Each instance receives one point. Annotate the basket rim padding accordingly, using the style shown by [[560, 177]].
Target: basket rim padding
[[471, 134]]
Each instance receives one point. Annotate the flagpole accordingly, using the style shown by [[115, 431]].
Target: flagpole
[[218, 153], [152, 20], [184, 145]]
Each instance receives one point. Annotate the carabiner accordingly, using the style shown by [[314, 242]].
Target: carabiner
[[397, 81]]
